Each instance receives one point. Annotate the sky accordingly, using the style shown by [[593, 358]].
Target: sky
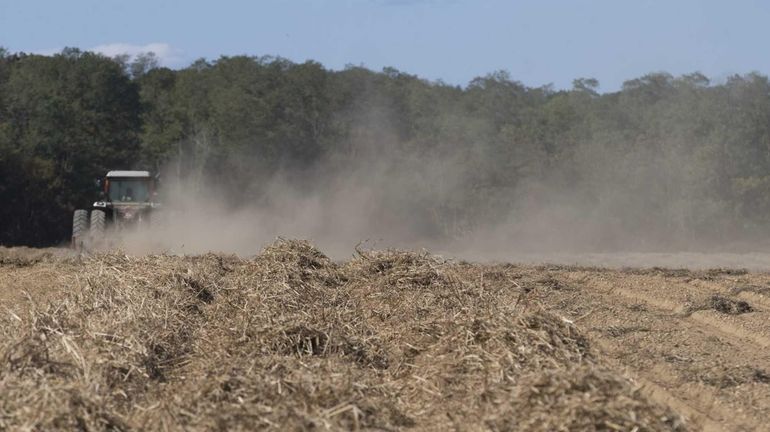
[[539, 42]]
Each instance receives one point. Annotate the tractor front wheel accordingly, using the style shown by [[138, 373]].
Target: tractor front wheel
[[98, 223], [79, 228]]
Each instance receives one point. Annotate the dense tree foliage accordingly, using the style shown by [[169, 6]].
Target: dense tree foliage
[[674, 156], [63, 118]]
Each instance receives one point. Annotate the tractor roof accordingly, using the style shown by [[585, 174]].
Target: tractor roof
[[128, 174]]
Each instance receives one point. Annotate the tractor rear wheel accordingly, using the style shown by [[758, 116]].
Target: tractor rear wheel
[[79, 228]]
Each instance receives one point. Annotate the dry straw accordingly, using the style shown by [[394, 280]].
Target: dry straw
[[290, 340]]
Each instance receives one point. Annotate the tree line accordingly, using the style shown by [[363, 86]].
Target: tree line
[[664, 159]]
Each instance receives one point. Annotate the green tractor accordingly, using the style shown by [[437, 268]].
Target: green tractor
[[126, 199]]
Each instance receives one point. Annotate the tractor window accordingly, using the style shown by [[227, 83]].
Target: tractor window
[[129, 190]]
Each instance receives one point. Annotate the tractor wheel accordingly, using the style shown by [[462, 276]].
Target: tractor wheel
[[79, 228], [98, 223]]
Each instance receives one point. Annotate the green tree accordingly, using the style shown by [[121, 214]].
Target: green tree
[[69, 118]]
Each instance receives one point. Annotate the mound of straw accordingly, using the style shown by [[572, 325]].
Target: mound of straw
[[290, 340]]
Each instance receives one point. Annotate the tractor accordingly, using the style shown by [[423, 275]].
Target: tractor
[[126, 199]]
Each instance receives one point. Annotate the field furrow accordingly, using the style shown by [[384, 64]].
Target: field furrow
[[706, 356]]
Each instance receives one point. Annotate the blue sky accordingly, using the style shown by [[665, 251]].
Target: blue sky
[[538, 42]]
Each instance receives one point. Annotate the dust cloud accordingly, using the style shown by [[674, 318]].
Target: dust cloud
[[390, 205], [368, 206], [605, 206]]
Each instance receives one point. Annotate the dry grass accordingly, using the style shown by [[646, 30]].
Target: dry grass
[[719, 303], [290, 340], [24, 256]]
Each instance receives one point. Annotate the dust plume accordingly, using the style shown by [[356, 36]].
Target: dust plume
[[603, 198], [374, 204]]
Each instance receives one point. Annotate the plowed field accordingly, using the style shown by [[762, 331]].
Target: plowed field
[[388, 340]]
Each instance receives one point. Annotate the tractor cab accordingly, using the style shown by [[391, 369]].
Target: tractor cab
[[127, 187], [126, 197]]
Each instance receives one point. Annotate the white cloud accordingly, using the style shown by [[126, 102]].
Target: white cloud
[[167, 56], [46, 52]]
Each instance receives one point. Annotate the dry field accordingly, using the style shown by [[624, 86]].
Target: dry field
[[290, 340]]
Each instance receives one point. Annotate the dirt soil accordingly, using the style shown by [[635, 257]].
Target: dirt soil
[[695, 341], [389, 340]]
